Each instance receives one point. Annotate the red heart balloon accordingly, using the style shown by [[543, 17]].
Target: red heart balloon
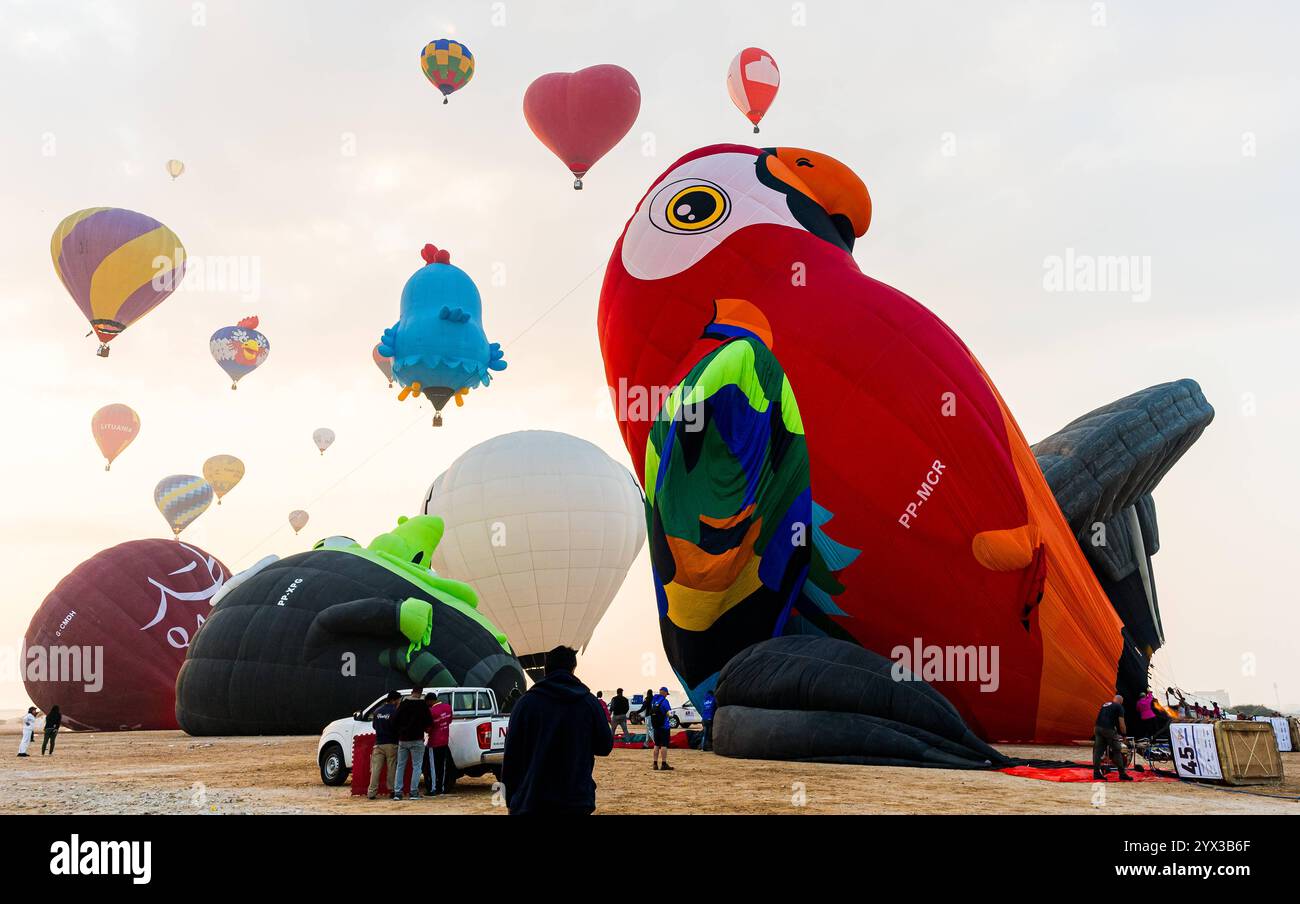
[[581, 115]]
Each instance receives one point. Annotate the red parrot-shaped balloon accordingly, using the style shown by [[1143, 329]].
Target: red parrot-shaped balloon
[[821, 454]]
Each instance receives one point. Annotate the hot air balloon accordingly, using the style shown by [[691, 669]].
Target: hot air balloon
[[581, 115], [138, 605], [240, 349], [115, 427], [447, 64], [438, 345], [856, 475], [175, 168], [385, 364], [181, 498], [752, 82], [544, 526], [117, 265], [222, 472], [298, 520], [283, 627], [323, 437]]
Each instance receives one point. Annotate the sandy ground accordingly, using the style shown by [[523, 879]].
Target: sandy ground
[[170, 772]]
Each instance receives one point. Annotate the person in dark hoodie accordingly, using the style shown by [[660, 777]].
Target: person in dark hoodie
[[412, 721], [557, 729], [53, 720]]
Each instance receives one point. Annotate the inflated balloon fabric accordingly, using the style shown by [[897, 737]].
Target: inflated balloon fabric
[[825, 455], [544, 526], [312, 637], [106, 644], [824, 700]]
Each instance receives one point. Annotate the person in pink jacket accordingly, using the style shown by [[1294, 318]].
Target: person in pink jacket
[[438, 759], [600, 698]]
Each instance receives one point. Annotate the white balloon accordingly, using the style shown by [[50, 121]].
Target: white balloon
[[544, 526], [324, 438]]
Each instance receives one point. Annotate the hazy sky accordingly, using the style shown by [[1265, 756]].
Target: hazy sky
[[993, 136]]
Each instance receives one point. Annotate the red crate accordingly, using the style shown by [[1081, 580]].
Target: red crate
[[362, 746]]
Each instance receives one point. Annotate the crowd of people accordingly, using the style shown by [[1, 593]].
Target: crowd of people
[[412, 735]]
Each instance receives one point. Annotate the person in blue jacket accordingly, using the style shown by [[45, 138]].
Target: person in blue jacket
[[707, 707], [557, 729], [660, 710]]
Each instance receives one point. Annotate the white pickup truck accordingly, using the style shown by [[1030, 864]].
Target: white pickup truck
[[477, 735]]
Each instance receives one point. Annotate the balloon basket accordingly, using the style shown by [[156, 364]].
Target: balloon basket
[[437, 420], [444, 100], [755, 130], [102, 351], [108, 467], [577, 185]]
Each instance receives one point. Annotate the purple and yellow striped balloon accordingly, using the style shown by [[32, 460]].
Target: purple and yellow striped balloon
[[117, 265], [181, 498]]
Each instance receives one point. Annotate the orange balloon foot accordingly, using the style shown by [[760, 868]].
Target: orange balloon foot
[[412, 390]]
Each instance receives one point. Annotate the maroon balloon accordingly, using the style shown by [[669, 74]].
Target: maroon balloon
[[581, 115], [106, 644]]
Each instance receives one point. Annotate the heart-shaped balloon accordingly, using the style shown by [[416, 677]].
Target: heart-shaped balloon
[[581, 115]]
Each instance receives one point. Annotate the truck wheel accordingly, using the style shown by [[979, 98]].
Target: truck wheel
[[674, 722], [333, 772]]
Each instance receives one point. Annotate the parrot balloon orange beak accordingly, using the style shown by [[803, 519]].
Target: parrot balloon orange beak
[[831, 185]]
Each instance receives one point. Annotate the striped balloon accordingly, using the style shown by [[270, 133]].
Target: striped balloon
[[181, 498], [117, 265], [447, 64]]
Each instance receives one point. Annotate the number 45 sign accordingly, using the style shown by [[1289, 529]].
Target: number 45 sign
[[1196, 755]]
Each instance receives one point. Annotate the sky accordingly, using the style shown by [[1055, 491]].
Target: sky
[[994, 137]]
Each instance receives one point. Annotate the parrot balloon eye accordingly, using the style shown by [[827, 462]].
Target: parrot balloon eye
[[690, 205]]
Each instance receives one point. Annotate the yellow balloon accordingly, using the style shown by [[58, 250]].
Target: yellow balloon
[[223, 472], [175, 168]]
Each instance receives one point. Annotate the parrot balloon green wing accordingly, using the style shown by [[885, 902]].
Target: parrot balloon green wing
[[735, 534]]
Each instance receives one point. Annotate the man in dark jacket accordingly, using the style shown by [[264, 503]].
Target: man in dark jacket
[[1110, 726], [618, 710], [413, 720], [556, 732]]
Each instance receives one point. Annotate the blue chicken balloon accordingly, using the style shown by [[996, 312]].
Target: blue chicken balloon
[[438, 346]]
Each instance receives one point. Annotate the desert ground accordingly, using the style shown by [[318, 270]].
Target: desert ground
[[171, 772]]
